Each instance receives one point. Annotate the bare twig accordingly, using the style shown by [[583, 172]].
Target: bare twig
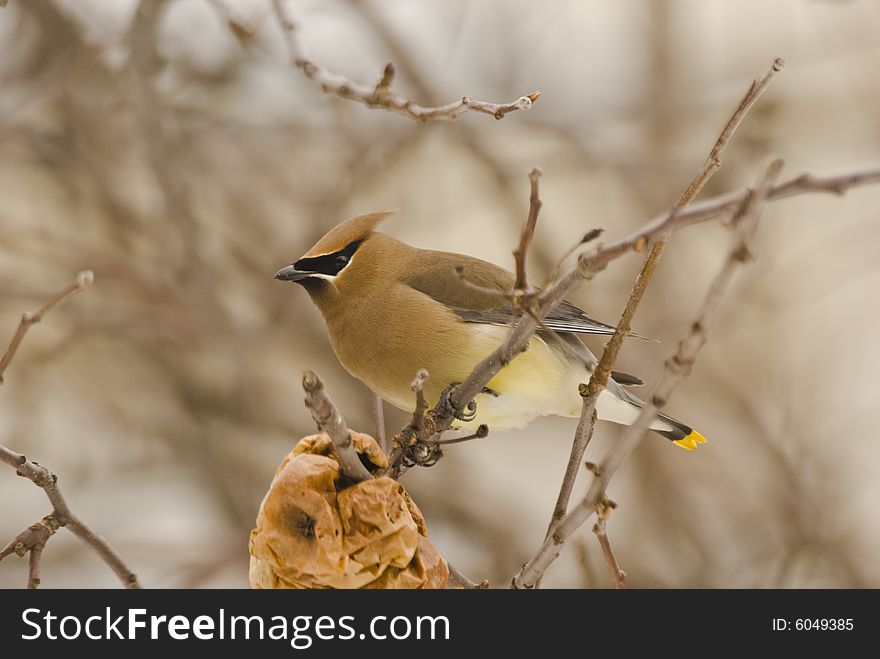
[[83, 279], [603, 513], [521, 286], [618, 576], [481, 433], [418, 386], [420, 427], [713, 160], [676, 368], [599, 378], [329, 420], [582, 436], [243, 28], [378, 414], [34, 568], [33, 539], [382, 95], [458, 580], [62, 516]]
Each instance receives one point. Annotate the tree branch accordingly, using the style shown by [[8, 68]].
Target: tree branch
[[458, 580], [418, 387], [599, 378], [62, 516], [713, 160], [378, 414], [34, 568], [676, 368], [382, 95], [33, 539], [618, 576], [519, 254], [410, 445], [83, 280], [329, 420]]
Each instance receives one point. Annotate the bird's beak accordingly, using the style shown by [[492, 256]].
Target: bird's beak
[[290, 273]]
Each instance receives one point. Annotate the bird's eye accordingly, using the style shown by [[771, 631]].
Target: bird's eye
[[341, 261]]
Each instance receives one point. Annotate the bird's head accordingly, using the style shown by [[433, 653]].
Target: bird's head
[[331, 257]]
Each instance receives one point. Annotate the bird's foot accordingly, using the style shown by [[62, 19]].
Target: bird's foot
[[447, 407], [421, 455]]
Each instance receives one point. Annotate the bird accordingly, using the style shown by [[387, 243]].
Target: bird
[[392, 309]]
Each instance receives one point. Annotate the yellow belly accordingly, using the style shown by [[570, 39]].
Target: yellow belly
[[535, 383]]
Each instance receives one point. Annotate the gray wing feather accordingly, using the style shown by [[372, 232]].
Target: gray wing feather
[[564, 317]]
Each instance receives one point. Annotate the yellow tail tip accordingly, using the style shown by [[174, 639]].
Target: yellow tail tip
[[690, 442]]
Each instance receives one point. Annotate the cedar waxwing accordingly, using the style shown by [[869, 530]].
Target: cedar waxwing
[[392, 309]]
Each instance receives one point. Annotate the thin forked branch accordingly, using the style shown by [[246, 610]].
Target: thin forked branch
[[34, 538], [381, 95], [676, 367], [602, 372], [28, 320]]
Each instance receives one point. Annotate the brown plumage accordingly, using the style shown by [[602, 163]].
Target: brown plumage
[[392, 309]]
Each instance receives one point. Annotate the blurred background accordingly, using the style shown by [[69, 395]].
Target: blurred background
[[170, 148]]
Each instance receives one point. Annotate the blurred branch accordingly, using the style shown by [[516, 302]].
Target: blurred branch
[[382, 95], [83, 279], [378, 414], [330, 420], [599, 378], [400, 51], [470, 136], [676, 368], [458, 580], [33, 539], [161, 144]]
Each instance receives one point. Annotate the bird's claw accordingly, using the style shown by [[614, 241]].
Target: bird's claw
[[421, 455], [469, 413]]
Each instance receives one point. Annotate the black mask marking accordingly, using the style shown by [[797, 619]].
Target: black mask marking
[[328, 264]]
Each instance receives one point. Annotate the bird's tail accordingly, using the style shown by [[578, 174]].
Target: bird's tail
[[620, 406], [683, 435]]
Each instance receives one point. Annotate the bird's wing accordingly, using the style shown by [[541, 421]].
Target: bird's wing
[[627, 379], [478, 292], [564, 317]]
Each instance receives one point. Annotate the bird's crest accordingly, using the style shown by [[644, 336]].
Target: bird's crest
[[345, 233]]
